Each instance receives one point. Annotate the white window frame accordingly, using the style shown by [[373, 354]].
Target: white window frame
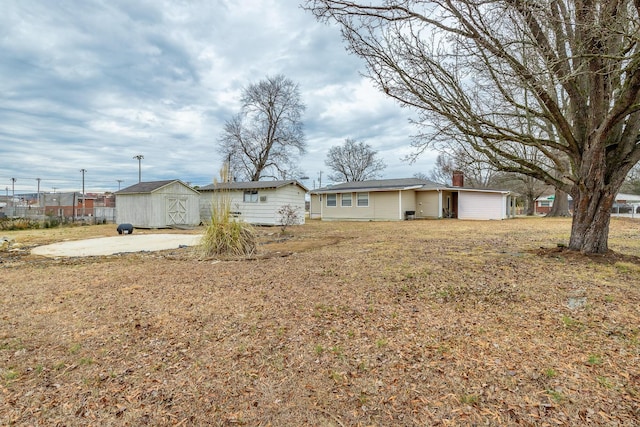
[[366, 199], [332, 198], [344, 198], [250, 196]]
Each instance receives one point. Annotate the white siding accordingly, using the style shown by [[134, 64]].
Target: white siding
[[265, 210], [150, 210], [477, 205]]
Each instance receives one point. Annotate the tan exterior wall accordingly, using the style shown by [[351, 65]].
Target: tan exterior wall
[[383, 206], [427, 204], [408, 202], [315, 211]]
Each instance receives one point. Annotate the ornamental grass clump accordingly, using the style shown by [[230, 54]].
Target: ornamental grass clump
[[225, 235]]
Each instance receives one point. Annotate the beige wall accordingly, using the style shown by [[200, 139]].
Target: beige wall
[[383, 206], [314, 207], [427, 204]]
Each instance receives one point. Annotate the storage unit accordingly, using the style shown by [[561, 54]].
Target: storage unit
[[158, 204]]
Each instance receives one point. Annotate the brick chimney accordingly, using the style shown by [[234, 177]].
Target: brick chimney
[[458, 179]]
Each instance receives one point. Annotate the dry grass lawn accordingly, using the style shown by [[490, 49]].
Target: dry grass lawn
[[343, 324]]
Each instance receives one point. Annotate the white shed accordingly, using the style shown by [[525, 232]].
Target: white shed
[[256, 202], [158, 204]]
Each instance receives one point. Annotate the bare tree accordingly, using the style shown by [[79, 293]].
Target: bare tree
[[632, 182], [266, 137], [353, 161], [477, 172], [479, 70]]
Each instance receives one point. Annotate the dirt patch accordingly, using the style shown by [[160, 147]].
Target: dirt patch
[[409, 323], [610, 258]]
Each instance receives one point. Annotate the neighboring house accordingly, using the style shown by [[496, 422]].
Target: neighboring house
[[67, 205], [408, 198], [256, 202], [624, 205], [158, 204]]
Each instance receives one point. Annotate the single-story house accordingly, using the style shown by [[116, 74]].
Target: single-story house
[[158, 204], [408, 198], [626, 204], [256, 202]]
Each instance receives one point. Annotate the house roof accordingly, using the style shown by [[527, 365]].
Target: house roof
[[149, 187], [250, 185], [379, 185], [395, 185], [628, 198]]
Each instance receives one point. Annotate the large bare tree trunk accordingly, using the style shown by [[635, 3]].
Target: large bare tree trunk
[[593, 198], [560, 206], [531, 208], [590, 226]]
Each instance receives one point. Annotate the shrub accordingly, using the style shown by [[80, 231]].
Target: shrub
[[226, 236], [18, 224], [288, 216]]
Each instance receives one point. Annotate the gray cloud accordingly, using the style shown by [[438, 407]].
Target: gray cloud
[[90, 84]]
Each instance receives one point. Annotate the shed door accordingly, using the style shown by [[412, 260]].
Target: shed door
[[176, 211]]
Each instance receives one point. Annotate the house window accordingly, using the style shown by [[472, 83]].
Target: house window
[[363, 199], [331, 200], [345, 200], [544, 203], [250, 196]]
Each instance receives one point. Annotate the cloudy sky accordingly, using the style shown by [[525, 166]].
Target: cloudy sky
[[89, 84]]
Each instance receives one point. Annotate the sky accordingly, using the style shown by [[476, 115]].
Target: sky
[[90, 84]]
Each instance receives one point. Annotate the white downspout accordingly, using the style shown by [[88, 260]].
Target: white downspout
[[400, 205], [439, 203]]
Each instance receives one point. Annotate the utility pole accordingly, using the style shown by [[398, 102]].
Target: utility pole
[[119, 181], [38, 179], [139, 157], [320, 179], [58, 214], [13, 196], [83, 198]]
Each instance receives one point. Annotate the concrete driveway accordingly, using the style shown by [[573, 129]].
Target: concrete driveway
[[117, 244]]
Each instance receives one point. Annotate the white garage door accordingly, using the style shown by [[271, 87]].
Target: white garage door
[[472, 205]]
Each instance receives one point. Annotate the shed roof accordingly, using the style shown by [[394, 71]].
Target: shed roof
[[250, 185], [150, 187]]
